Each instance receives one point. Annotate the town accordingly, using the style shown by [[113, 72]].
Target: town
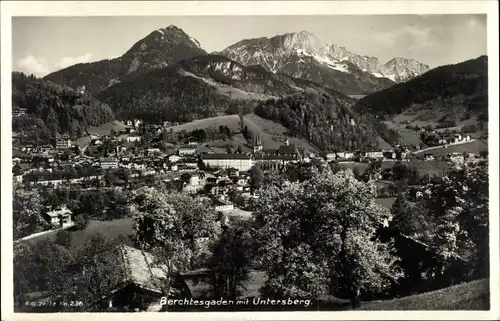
[[135, 157]]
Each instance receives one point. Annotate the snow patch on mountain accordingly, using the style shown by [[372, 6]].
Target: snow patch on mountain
[[391, 77], [325, 60], [279, 51], [195, 42]]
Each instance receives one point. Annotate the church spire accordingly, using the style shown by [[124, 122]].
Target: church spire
[[257, 146]]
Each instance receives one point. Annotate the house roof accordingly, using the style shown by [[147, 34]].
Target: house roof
[[191, 139], [141, 269], [287, 149], [61, 211], [218, 202], [275, 157]]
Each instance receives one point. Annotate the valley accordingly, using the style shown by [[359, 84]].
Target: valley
[[266, 169]]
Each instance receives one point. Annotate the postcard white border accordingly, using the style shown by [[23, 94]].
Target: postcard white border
[[182, 8]]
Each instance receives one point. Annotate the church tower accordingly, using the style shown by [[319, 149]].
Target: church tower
[[257, 145]]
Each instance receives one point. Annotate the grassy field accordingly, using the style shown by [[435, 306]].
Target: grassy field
[[382, 144], [273, 134], [467, 296], [231, 92], [408, 137], [361, 166], [81, 142], [102, 130], [475, 147], [106, 128], [434, 167], [413, 119], [385, 202], [109, 229]]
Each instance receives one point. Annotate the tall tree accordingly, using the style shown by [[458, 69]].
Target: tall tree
[[256, 176], [230, 258], [318, 238], [39, 267], [407, 219], [97, 271], [460, 207], [27, 212], [175, 223]]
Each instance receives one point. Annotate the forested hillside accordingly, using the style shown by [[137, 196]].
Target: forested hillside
[[201, 87], [327, 121], [459, 90], [53, 109]]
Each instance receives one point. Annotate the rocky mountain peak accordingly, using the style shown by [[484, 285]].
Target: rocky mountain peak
[[160, 48], [303, 41], [401, 69]]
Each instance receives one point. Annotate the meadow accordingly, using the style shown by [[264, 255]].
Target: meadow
[[466, 296]]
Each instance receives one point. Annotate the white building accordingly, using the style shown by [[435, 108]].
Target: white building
[[187, 150], [195, 184], [173, 158], [108, 163], [343, 155], [133, 138], [63, 143], [224, 161], [222, 206], [374, 154], [154, 150], [137, 123], [60, 218]]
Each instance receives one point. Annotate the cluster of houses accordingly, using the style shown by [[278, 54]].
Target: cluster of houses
[[18, 112], [400, 153], [191, 165], [61, 142], [440, 138]]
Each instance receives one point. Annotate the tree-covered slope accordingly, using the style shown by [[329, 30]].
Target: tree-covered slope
[[53, 109], [201, 87], [324, 119], [458, 90]]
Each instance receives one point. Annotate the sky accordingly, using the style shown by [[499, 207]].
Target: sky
[[45, 44]]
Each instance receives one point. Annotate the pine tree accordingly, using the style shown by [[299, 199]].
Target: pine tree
[[401, 215]]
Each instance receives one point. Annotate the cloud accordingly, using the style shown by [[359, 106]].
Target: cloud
[[69, 61], [472, 23], [32, 65], [409, 36]]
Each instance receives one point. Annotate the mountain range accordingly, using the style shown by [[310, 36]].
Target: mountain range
[[458, 92], [292, 79], [303, 55], [300, 55]]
